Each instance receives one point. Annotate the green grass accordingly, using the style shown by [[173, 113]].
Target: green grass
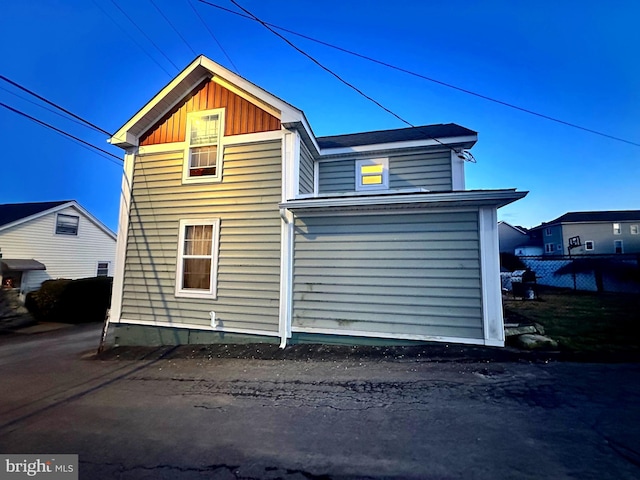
[[582, 322]]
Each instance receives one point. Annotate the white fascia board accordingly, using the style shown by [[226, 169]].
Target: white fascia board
[[496, 198], [397, 336], [492, 317], [195, 326], [428, 142]]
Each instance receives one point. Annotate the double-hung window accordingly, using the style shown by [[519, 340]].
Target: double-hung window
[[616, 229], [372, 174], [203, 154], [67, 224], [197, 258]]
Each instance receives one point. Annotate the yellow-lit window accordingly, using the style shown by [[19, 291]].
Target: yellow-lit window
[[203, 155], [372, 174]]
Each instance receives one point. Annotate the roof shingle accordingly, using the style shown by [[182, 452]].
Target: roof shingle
[[12, 212]]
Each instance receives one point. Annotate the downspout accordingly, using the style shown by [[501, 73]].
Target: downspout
[[287, 275]]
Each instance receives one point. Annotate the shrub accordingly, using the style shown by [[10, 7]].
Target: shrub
[[71, 301], [511, 262]]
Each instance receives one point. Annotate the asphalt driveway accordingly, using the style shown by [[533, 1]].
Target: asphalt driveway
[[310, 413]]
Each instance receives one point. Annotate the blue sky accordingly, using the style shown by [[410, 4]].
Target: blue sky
[[576, 61]]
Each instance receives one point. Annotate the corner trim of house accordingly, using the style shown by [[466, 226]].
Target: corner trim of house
[[195, 326], [492, 319], [397, 336], [123, 231]]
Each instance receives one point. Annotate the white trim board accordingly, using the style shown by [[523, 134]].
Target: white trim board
[[195, 326]]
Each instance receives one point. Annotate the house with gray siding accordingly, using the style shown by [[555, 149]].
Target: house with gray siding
[[237, 223], [603, 232], [47, 240]]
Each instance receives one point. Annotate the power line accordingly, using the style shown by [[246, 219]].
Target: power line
[[62, 132], [43, 107], [53, 104], [173, 27], [213, 36], [97, 4], [326, 69], [424, 77], [463, 154]]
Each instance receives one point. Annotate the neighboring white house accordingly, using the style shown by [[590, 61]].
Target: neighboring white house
[[47, 240]]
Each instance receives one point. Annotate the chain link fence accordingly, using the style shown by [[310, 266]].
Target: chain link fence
[[618, 273]]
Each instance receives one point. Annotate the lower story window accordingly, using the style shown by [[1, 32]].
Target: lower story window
[[617, 246], [103, 269], [197, 258], [588, 245], [549, 247]]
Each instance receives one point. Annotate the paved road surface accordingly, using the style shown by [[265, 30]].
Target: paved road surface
[[328, 418]]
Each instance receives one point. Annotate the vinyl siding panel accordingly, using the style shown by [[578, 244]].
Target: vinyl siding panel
[[65, 256], [431, 171], [405, 274], [241, 116], [248, 286], [306, 171]]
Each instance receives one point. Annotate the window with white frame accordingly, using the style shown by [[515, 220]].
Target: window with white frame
[[549, 247], [67, 224], [203, 153], [616, 229], [372, 174], [617, 246], [589, 245], [103, 269], [196, 269], [547, 231], [633, 229]]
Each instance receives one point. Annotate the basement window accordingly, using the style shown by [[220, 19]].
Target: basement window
[[588, 245], [372, 174], [203, 154]]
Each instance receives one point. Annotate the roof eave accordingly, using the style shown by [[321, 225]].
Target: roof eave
[[495, 198]]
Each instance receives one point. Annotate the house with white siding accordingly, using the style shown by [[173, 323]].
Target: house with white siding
[[237, 223], [47, 240]]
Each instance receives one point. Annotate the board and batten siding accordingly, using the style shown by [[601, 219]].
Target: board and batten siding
[[431, 171], [65, 256], [248, 286], [306, 171], [389, 275], [241, 116]]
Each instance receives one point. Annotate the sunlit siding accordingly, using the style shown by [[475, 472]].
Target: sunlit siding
[[249, 256], [306, 170], [65, 256], [404, 274], [431, 171], [241, 116]]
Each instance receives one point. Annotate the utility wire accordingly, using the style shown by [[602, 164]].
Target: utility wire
[[97, 4], [424, 77], [62, 132], [213, 36], [464, 154], [342, 80], [173, 27], [53, 104], [145, 35], [43, 107]]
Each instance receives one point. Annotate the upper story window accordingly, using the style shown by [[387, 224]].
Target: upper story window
[[616, 229], [549, 247], [67, 224], [197, 258], [589, 245], [547, 231], [372, 174], [203, 153], [633, 229]]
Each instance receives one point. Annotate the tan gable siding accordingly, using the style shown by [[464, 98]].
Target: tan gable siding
[[241, 117], [401, 274], [249, 256]]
